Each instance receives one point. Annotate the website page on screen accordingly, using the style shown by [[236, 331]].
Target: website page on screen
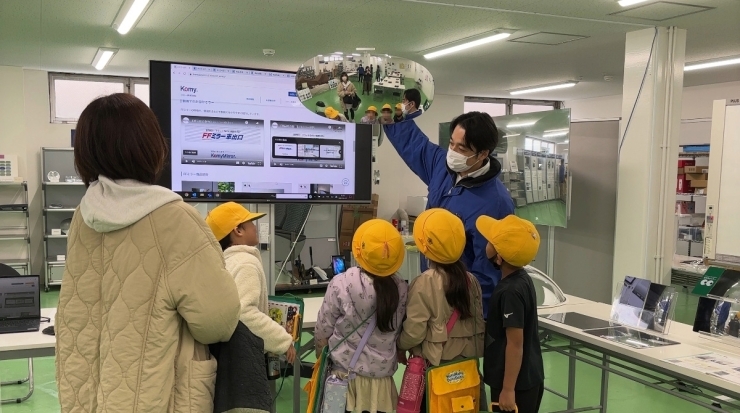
[[245, 131]]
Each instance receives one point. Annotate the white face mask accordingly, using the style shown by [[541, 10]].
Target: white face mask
[[404, 109], [457, 162]]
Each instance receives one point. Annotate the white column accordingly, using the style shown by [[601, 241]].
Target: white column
[[648, 153]]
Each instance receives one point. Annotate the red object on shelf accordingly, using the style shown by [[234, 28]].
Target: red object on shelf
[[686, 162], [683, 185]]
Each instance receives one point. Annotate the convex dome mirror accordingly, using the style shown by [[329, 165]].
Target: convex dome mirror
[[364, 88]]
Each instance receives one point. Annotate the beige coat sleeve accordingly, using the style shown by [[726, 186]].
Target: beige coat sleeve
[[276, 339], [205, 295], [418, 313]]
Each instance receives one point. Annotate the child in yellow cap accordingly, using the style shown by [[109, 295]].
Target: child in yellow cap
[[512, 362], [234, 228], [445, 297], [362, 312]]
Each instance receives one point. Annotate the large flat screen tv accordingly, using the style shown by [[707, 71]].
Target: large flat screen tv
[[242, 134]]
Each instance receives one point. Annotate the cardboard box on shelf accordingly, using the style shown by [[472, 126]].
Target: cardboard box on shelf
[[682, 185], [692, 169], [352, 217], [699, 183], [697, 177]]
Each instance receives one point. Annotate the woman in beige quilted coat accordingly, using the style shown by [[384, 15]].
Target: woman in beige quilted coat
[[144, 283]]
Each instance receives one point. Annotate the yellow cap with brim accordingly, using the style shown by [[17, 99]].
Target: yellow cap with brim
[[439, 235], [330, 112], [378, 248], [225, 217], [516, 240]]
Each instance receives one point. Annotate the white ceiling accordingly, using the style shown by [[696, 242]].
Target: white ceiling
[[63, 35]]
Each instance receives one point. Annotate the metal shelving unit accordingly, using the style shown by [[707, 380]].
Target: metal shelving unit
[[15, 240], [59, 201]]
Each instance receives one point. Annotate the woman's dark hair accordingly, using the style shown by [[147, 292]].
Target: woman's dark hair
[[456, 287], [386, 302], [118, 136], [481, 132], [343, 75]]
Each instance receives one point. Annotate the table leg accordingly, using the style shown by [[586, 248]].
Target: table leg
[[604, 382], [29, 379], [572, 376], [297, 385]]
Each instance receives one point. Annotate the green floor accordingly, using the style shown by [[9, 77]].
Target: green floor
[[624, 395], [544, 213], [330, 98]]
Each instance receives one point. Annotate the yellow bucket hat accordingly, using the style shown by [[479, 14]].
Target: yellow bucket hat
[[386, 107], [225, 217], [378, 248], [372, 108], [516, 240], [330, 112], [439, 235]]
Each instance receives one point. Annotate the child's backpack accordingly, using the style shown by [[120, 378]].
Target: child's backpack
[[454, 387]]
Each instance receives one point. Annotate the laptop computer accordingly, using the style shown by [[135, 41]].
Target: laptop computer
[[20, 304]]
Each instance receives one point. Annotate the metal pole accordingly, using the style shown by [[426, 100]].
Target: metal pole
[[604, 383], [572, 377]]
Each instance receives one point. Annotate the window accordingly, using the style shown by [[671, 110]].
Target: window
[[141, 91], [528, 144], [500, 107], [70, 94], [493, 109]]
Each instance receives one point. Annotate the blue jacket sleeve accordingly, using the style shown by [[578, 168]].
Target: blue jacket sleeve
[[421, 155]]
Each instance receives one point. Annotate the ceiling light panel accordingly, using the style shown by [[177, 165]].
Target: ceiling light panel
[[711, 64], [103, 56], [544, 88], [467, 45], [661, 11], [129, 14]]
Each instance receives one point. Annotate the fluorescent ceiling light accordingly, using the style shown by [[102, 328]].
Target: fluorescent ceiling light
[[467, 45], [544, 88], [338, 53], [365, 49], [130, 13], [627, 3], [511, 135], [554, 134], [707, 65], [356, 54], [521, 124], [565, 142], [102, 57]]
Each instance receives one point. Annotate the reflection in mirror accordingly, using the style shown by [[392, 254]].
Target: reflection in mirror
[[364, 88], [533, 149]]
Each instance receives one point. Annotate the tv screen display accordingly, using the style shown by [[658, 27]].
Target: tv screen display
[[242, 134]]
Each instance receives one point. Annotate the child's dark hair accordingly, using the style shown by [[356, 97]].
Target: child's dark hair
[[456, 287], [386, 302], [225, 242]]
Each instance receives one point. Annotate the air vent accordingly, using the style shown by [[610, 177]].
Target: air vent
[[661, 11], [548, 39]]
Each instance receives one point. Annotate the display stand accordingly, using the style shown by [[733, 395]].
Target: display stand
[[59, 200], [15, 244], [644, 305]]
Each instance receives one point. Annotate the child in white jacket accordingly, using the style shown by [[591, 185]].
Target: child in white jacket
[[234, 228]]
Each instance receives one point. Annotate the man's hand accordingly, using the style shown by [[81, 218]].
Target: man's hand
[[507, 401], [290, 354]]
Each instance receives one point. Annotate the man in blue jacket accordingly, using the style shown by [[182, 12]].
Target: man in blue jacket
[[463, 180]]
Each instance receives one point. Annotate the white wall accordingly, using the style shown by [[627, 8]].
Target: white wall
[[697, 102], [24, 113]]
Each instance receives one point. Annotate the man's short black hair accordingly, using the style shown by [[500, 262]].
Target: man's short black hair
[[413, 95], [481, 132]]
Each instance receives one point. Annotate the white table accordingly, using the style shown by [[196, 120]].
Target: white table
[[390, 83], [27, 346], [606, 355]]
